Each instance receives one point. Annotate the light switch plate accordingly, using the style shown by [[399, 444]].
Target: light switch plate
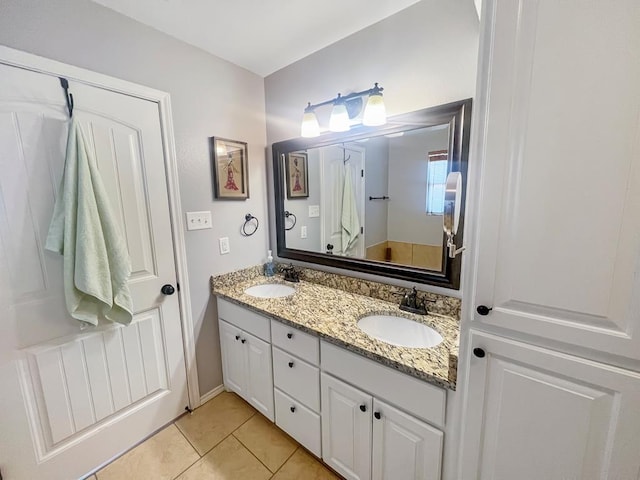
[[303, 231], [314, 211], [224, 245], [198, 220]]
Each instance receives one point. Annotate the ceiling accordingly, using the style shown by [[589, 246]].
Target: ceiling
[[262, 36]]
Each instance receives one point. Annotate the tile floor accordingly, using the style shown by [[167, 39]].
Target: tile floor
[[225, 439]]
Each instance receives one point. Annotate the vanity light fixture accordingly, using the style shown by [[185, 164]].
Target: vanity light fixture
[[310, 126], [339, 119], [375, 113], [344, 109]]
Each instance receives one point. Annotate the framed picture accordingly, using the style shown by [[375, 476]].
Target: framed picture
[[230, 169], [297, 175]]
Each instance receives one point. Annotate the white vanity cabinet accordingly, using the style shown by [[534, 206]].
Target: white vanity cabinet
[[246, 356], [296, 377], [403, 446], [364, 437], [365, 420], [346, 429]]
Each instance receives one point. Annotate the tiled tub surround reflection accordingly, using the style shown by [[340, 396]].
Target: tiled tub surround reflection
[[332, 313]]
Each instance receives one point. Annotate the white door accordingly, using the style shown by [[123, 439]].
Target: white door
[[234, 370], [404, 448], [346, 429], [335, 161], [259, 375], [73, 399], [558, 245], [534, 414]]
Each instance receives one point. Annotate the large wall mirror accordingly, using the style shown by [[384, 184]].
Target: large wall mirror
[[373, 199]]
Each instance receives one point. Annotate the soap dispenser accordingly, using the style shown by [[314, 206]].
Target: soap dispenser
[[269, 267]]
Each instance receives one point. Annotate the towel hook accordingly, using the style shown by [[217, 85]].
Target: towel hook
[[288, 214], [247, 218], [68, 96]]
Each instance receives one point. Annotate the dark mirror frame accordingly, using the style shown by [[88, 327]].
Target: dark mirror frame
[[458, 116]]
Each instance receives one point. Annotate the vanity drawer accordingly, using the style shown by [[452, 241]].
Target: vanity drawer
[[294, 341], [299, 422], [414, 396], [297, 378], [245, 319]]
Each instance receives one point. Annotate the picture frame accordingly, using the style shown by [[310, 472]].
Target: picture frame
[[297, 173], [230, 168]]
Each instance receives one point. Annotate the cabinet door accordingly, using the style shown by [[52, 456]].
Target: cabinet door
[[259, 391], [346, 429], [558, 246], [532, 414], [404, 448], [233, 358]]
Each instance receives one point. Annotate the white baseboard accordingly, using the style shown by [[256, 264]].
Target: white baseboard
[[213, 393]]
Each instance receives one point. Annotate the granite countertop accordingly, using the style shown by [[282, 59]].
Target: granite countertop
[[332, 314]]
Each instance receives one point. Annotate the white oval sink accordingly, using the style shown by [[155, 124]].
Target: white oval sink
[[270, 290], [399, 331]]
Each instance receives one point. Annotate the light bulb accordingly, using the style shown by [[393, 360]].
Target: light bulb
[[339, 120], [310, 126], [375, 113]]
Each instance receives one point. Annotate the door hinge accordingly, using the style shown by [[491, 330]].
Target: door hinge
[[362, 173], [178, 287], [361, 229]]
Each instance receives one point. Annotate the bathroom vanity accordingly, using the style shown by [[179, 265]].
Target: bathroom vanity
[[369, 409]]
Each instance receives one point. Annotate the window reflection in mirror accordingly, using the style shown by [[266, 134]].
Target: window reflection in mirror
[[378, 198]]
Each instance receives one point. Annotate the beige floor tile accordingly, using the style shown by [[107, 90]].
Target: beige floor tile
[[266, 441], [216, 419], [163, 456], [229, 460], [304, 466]]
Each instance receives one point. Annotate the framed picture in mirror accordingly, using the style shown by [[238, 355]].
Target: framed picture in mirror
[[230, 171], [297, 175]]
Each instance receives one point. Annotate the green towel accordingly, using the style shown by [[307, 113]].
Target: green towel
[[83, 230], [349, 219]]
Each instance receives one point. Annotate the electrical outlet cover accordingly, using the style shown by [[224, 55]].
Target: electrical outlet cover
[[224, 245], [314, 211]]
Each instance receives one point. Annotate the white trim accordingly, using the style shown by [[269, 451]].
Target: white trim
[[35, 63], [211, 394], [180, 252]]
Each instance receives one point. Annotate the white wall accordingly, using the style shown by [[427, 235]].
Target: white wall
[[376, 160], [423, 56], [209, 97], [408, 221]]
